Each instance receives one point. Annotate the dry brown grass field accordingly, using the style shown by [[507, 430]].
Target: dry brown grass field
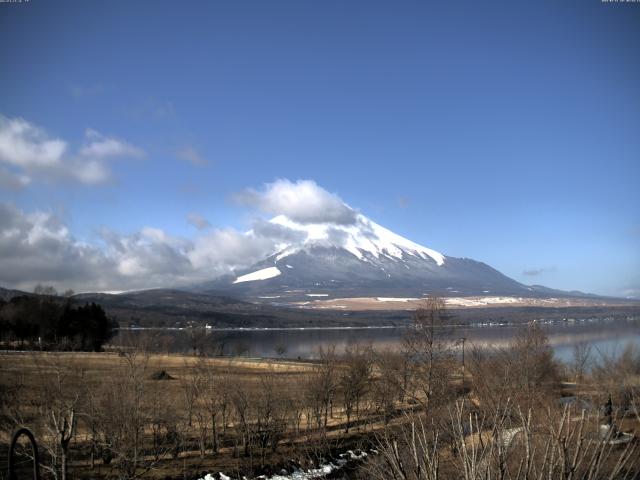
[[23, 375], [133, 414]]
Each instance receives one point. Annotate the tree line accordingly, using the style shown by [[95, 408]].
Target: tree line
[[48, 321]]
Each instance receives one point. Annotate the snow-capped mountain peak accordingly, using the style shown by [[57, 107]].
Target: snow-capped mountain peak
[[358, 258], [360, 238]]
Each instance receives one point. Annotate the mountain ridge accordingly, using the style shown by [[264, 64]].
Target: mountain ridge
[[357, 259], [363, 259]]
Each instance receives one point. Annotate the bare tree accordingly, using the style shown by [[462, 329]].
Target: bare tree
[[524, 372], [270, 414], [535, 372], [617, 375], [506, 444], [45, 290], [60, 398], [580, 362], [388, 386], [215, 393], [241, 401], [353, 379], [191, 388], [430, 350], [410, 453], [123, 416], [321, 387]]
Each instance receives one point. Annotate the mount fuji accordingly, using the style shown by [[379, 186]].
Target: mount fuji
[[361, 259]]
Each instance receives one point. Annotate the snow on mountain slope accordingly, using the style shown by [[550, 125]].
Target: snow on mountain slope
[[261, 274], [365, 236], [358, 259]]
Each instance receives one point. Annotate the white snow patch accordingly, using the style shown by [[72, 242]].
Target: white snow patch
[[311, 474], [480, 301], [354, 455], [208, 476], [285, 253], [396, 299], [288, 266], [317, 294], [263, 274]]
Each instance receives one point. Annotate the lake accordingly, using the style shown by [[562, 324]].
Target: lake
[[606, 337]]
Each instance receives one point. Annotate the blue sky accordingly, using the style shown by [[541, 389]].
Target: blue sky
[[507, 132]]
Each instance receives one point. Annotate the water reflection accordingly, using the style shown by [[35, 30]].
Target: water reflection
[[605, 337]]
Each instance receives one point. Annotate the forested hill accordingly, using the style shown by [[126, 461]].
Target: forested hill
[[52, 322]]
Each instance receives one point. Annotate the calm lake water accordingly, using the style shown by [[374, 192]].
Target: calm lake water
[[607, 337]]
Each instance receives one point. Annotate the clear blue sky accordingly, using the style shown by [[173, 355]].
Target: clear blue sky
[[507, 132]]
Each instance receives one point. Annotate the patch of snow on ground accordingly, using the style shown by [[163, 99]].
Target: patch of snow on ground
[[304, 474], [480, 301], [396, 299], [354, 455], [263, 274], [311, 474], [222, 476]]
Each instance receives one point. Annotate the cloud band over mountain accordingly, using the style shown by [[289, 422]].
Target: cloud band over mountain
[[37, 247]]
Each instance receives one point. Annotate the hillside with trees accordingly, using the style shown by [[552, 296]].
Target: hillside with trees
[[48, 321]]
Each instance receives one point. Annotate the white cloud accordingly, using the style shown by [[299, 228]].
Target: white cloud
[[149, 253], [38, 247], [98, 146], [191, 155], [226, 249], [302, 201], [27, 146], [91, 172], [32, 153]]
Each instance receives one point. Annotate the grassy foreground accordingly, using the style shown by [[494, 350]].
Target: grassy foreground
[[509, 412]]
